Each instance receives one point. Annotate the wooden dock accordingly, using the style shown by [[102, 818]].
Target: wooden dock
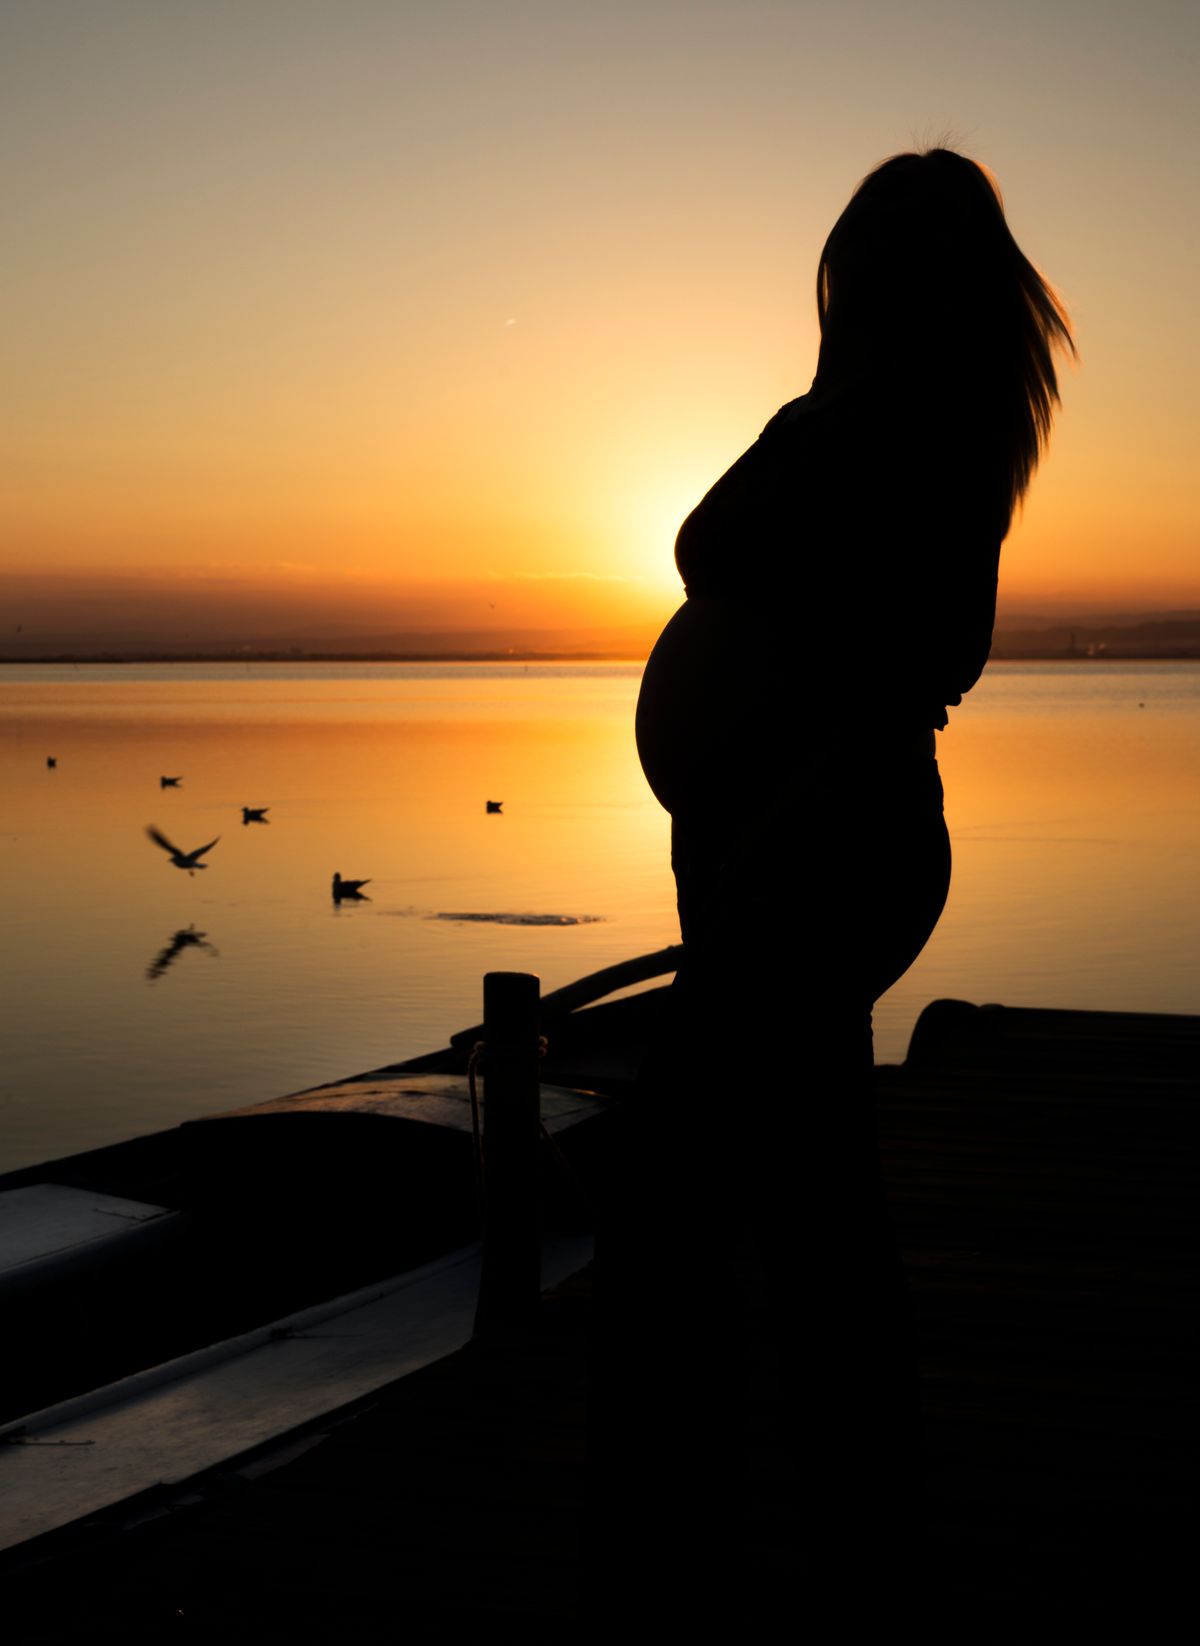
[[1043, 1170]]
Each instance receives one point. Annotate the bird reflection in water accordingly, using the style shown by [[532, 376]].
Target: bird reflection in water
[[189, 938]]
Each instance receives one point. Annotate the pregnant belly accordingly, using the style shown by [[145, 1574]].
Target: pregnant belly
[[696, 692]]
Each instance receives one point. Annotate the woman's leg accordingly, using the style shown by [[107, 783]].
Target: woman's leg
[[757, 1115], [878, 884]]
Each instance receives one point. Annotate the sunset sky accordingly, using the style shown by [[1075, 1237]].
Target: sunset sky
[[447, 313]]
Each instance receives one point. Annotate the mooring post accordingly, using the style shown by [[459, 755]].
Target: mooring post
[[511, 1279]]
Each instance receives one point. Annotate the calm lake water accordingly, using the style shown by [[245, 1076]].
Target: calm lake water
[[1072, 797]]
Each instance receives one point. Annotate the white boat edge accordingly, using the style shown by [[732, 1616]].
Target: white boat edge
[[163, 1426]]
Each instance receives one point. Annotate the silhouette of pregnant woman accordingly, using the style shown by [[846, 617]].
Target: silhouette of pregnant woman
[[841, 586]]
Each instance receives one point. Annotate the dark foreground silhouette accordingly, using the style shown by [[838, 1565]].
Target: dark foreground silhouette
[[1043, 1164]]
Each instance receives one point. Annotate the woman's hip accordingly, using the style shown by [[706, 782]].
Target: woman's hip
[[847, 879]]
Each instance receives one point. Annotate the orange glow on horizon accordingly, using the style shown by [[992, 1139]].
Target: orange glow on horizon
[[302, 298]]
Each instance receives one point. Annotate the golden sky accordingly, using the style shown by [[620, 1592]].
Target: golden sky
[[409, 297]]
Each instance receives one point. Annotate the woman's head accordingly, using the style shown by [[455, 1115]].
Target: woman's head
[[921, 284]]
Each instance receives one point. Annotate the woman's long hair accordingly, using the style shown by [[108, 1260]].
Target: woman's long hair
[[922, 287]]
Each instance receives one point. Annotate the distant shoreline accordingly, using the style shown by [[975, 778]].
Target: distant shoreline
[[1165, 638], [111, 658], [1181, 654]]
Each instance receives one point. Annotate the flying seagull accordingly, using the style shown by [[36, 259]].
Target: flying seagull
[[348, 888], [255, 814], [169, 782], [182, 860]]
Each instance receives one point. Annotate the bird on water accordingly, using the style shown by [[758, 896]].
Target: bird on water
[[255, 814], [169, 782], [51, 762], [494, 805], [349, 889], [182, 860]]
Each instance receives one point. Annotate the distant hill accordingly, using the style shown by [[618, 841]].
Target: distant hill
[[486, 645], [1019, 637], [104, 616], [1177, 636]]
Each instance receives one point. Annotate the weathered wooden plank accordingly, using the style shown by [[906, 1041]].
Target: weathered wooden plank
[[50, 1217], [432, 1099], [51, 1229]]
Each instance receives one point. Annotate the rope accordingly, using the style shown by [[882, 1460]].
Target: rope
[[566, 1167], [474, 1063]]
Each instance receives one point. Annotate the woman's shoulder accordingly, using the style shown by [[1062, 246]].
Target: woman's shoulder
[[811, 418], [795, 411]]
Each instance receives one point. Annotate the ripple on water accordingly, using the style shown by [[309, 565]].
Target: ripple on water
[[525, 919]]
